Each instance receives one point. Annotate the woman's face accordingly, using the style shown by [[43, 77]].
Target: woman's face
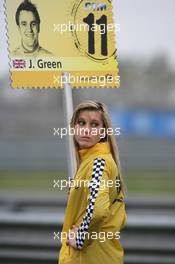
[[87, 128]]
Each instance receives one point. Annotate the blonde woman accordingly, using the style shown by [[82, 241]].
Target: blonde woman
[[95, 211]]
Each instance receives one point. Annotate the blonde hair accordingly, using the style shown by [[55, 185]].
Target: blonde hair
[[101, 107]]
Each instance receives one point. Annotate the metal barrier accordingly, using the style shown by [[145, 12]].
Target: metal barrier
[[27, 229]]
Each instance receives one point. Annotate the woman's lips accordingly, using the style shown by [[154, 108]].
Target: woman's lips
[[86, 138]]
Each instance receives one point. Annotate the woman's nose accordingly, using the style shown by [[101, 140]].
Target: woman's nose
[[87, 129]]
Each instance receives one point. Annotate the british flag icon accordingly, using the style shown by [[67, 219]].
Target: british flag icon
[[19, 64]]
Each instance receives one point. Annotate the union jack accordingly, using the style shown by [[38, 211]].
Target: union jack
[[19, 64]]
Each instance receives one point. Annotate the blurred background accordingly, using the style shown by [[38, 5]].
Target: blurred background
[[31, 157]]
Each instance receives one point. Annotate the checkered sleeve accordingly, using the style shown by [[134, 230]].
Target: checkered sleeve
[[97, 203]]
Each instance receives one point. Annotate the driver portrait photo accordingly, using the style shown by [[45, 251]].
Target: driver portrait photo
[[28, 23]]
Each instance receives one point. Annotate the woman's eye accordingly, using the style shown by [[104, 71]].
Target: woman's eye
[[81, 123], [94, 124]]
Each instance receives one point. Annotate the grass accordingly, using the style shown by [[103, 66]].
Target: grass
[[35, 181], [151, 182]]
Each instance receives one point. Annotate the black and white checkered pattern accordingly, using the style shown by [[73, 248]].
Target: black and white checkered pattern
[[98, 168]]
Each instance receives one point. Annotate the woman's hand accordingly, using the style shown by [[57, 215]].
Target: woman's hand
[[71, 237]]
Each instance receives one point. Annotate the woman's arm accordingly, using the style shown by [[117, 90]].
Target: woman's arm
[[97, 202]]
